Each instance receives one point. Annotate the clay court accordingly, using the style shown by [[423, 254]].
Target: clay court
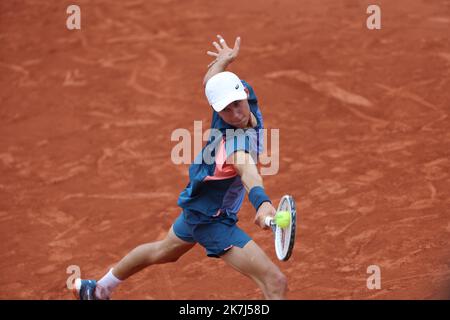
[[86, 118]]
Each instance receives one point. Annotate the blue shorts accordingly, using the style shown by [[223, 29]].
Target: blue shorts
[[217, 236]]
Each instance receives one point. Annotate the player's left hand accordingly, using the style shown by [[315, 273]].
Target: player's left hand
[[224, 53], [266, 209]]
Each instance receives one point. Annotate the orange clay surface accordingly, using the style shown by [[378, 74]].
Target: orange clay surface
[[86, 118]]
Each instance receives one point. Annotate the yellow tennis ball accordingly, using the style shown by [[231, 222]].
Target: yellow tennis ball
[[282, 219]]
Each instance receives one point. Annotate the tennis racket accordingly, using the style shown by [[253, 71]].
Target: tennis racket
[[284, 237]]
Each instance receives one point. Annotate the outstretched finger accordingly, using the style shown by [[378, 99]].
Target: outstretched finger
[[210, 53], [216, 45], [222, 41], [237, 45]]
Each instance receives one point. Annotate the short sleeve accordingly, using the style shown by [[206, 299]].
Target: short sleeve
[[241, 140]]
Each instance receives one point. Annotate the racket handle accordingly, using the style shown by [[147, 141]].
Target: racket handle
[[269, 221]]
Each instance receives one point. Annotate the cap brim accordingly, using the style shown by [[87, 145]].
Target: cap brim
[[238, 95]]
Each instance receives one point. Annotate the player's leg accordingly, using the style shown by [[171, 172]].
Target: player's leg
[[254, 263], [170, 249], [177, 242]]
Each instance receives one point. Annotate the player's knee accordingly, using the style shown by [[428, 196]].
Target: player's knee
[[277, 285], [280, 282]]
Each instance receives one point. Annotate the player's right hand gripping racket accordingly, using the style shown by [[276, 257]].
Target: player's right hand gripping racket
[[284, 237]]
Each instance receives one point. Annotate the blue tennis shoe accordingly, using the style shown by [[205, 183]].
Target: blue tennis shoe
[[85, 289]]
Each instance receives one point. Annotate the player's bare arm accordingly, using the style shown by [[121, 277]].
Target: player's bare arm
[[223, 57], [248, 171]]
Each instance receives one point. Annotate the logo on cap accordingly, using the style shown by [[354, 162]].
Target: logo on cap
[[237, 86]]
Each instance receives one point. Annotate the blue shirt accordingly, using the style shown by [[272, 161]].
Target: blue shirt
[[215, 189]]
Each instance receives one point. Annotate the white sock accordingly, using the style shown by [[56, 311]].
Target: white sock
[[106, 285]]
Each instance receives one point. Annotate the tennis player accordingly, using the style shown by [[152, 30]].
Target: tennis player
[[218, 181]]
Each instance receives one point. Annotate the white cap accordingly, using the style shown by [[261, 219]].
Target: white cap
[[224, 88]]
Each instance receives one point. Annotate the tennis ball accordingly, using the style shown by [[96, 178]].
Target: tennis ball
[[282, 219]]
